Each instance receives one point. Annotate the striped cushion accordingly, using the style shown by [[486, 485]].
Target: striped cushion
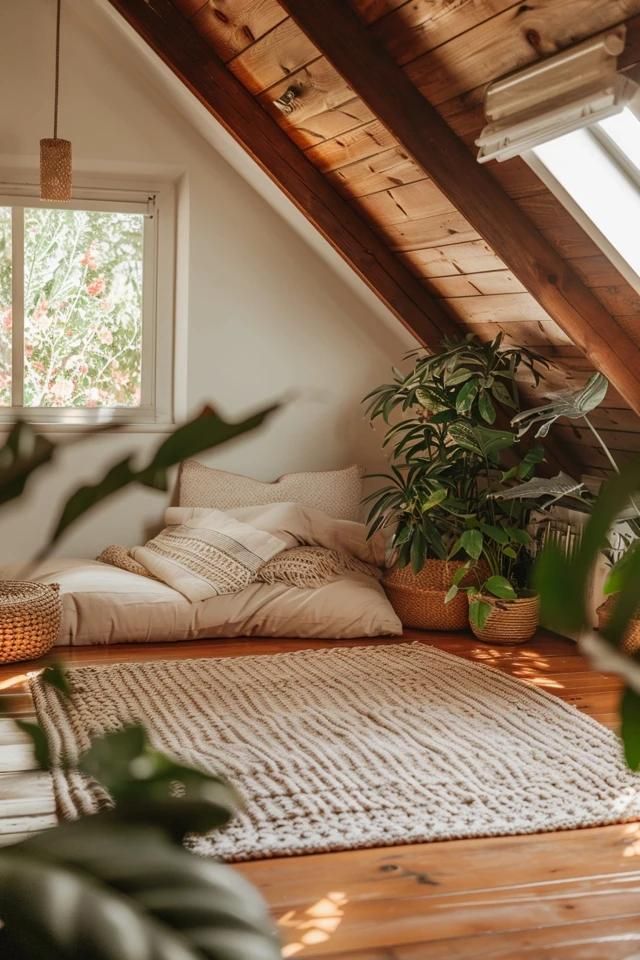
[[208, 557]]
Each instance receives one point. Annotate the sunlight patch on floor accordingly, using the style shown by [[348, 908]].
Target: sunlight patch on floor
[[14, 681], [314, 925]]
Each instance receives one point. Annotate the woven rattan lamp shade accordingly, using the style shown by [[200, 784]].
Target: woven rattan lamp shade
[[55, 169]]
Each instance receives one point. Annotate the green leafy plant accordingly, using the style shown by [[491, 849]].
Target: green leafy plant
[[449, 460], [119, 885], [563, 584]]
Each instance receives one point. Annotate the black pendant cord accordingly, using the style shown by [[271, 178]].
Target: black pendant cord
[[57, 82]]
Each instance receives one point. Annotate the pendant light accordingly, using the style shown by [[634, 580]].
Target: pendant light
[[55, 154]]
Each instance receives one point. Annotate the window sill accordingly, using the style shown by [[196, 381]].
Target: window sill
[[50, 427]]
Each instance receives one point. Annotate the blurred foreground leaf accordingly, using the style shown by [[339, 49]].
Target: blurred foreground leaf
[[98, 889]]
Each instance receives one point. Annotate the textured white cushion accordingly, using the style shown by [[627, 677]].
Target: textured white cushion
[[103, 604], [335, 492], [208, 557]]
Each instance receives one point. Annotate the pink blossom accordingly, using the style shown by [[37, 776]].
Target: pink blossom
[[87, 260], [7, 319], [105, 335], [96, 287], [62, 389]]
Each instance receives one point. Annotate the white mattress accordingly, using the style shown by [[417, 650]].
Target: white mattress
[[103, 604]]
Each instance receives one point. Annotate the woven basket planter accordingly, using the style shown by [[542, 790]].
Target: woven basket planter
[[631, 642], [418, 598], [29, 619], [510, 621]]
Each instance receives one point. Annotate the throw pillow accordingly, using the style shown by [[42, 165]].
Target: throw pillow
[[335, 492], [207, 557]]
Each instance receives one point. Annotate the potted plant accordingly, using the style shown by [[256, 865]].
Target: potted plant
[[447, 442]]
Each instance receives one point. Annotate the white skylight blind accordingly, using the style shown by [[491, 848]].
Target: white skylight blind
[[555, 96]]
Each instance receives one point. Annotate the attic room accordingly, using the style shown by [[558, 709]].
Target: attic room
[[320, 479]]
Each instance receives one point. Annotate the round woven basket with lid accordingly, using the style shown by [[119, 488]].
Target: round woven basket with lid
[[418, 598], [510, 621], [30, 616]]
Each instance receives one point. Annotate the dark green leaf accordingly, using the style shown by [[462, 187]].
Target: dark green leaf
[[466, 395], [500, 587], [486, 407], [479, 613], [128, 893], [630, 727], [472, 542], [204, 432], [55, 676], [39, 741]]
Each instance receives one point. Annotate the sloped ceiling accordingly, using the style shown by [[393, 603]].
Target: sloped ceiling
[[402, 233]]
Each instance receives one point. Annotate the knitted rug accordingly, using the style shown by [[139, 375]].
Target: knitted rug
[[344, 747]]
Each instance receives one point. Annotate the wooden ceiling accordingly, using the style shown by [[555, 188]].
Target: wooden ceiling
[[336, 102]]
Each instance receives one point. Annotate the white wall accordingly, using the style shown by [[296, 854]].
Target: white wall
[[268, 309]]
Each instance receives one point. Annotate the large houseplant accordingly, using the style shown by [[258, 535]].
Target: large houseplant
[[119, 885], [448, 432]]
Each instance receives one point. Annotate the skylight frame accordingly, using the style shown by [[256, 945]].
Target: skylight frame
[[623, 165]]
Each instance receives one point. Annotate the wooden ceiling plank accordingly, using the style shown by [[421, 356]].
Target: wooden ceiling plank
[[389, 169], [429, 231], [377, 79], [358, 144], [470, 285], [455, 259], [183, 50], [420, 26], [509, 41], [505, 308], [413, 201], [230, 26], [273, 57]]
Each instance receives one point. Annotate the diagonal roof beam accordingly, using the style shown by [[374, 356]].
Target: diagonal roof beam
[[188, 55], [372, 73]]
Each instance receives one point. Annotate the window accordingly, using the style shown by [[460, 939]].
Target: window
[[595, 171], [78, 309]]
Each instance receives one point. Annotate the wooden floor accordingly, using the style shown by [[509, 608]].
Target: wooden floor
[[573, 894]]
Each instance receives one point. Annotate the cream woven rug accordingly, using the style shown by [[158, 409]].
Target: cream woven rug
[[353, 747]]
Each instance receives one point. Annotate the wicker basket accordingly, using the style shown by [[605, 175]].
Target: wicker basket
[[510, 621], [418, 598], [29, 619], [631, 643]]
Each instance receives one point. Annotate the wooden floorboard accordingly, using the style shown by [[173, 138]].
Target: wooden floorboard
[[574, 894]]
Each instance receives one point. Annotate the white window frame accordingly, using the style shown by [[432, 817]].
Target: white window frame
[[580, 216], [157, 203]]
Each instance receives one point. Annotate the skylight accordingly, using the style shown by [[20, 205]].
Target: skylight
[[595, 171]]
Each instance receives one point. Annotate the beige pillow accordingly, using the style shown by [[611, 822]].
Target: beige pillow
[[208, 557], [335, 492]]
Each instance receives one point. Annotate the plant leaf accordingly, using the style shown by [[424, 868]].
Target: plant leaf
[[479, 613], [472, 543], [128, 892], [630, 727], [500, 587], [486, 407], [451, 593], [205, 431], [38, 740]]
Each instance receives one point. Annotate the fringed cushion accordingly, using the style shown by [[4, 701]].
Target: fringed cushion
[[208, 557], [309, 567], [118, 556]]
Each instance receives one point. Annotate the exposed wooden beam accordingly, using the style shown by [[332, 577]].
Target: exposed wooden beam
[[178, 44], [368, 68]]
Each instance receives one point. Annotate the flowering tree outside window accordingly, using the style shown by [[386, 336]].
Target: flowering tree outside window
[[83, 308], [82, 330], [5, 307]]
